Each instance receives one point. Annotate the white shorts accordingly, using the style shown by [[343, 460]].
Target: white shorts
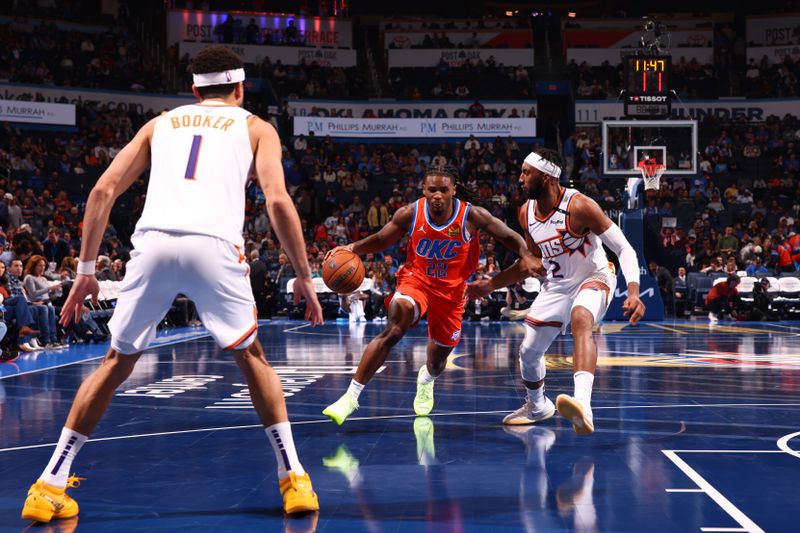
[[211, 272], [554, 304]]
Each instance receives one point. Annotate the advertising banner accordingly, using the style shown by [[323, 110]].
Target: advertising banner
[[408, 108], [595, 111], [401, 128], [457, 58], [596, 56], [775, 54], [206, 26], [37, 112], [633, 23], [774, 30], [288, 55], [140, 102], [622, 38], [461, 38]]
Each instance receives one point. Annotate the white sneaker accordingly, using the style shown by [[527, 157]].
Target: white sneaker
[[713, 318], [35, 344], [580, 415], [527, 414]]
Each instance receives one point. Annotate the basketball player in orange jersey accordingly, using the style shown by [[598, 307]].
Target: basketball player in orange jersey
[[564, 228], [188, 241], [442, 254]]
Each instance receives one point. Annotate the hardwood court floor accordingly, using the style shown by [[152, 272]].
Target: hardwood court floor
[[697, 428]]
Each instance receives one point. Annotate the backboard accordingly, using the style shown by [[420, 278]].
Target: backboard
[[627, 144]]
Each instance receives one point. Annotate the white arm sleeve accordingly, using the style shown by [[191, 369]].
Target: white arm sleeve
[[615, 239]]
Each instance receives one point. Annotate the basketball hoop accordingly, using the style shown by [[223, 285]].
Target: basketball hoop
[[651, 173]]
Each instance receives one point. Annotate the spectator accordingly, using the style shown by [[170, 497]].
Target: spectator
[[666, 286], [55, 248], [723, 298], [681, 288], [757, 268], [39, 290], [258, 276], [104, 270]]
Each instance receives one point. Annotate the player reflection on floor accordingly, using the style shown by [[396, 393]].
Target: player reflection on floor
[[572, 497], [443, 514]]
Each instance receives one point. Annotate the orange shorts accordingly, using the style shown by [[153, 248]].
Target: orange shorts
[[444, 314]]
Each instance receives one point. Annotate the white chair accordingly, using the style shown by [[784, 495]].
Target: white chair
[[532, 285], [774, 285], [746, 285], [366, 285], [789, 286]]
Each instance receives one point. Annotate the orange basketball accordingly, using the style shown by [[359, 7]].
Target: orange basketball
[[343, 272]]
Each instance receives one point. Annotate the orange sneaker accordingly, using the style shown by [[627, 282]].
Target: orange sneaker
[[298, 494], [45, 502]]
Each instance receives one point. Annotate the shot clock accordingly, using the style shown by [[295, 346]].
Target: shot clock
[[647, 85]]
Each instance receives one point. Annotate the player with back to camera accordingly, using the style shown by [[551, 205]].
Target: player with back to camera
[[564, 228], [188, 241], [442, 254]]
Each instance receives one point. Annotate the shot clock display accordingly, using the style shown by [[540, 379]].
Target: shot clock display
[[647, 75], [647, 92]]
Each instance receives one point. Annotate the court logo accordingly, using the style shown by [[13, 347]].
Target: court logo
[[167, 388]]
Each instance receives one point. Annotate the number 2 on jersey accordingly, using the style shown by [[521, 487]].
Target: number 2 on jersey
[[191, 167]]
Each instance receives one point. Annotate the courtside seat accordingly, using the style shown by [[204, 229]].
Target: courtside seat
[[746, 284], [789, 287], [532, 286]]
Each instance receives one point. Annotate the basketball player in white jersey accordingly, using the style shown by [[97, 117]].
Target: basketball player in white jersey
[[565, 229], [188, 241]]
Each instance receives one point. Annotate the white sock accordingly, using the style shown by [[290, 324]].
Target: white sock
[[280, 436], [57, 470], [425, 376], [355, 388], [583, 387], [536, 396]]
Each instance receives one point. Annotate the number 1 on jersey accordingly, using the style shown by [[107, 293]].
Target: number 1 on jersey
[[191, 167]]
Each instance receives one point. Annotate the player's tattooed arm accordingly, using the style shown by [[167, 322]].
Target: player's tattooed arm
[[385, 237]]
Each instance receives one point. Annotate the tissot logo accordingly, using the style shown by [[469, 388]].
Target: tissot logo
[[649, 99]]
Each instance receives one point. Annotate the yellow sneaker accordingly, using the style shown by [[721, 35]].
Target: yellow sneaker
[[423, 401], [298, 494], [45, 502], [339, 410]]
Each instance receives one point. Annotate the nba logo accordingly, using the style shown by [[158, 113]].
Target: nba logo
[[456, 335], [228, 75]]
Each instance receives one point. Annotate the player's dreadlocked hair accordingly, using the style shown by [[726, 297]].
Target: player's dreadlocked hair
[[449, 171], [216, 58], [552, 156]]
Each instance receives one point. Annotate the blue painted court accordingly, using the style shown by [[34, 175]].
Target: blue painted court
[[697, 428]]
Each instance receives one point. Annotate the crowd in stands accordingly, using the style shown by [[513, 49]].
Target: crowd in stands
[[740, 214], [479, 79], [484, 23], [47, 53]]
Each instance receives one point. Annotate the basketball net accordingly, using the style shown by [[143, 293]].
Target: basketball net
[[651, 173]]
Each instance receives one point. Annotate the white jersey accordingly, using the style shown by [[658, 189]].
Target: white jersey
[[201, 160], [569, 257]]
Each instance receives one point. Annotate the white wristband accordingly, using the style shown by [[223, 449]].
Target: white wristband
[[87, 268]]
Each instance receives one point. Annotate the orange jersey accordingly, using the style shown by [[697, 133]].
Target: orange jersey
[[442, 257]]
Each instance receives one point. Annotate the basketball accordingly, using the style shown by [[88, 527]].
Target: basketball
[[343, 272]]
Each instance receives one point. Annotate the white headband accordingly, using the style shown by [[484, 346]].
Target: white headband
[[538, 162], [218, 78]]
